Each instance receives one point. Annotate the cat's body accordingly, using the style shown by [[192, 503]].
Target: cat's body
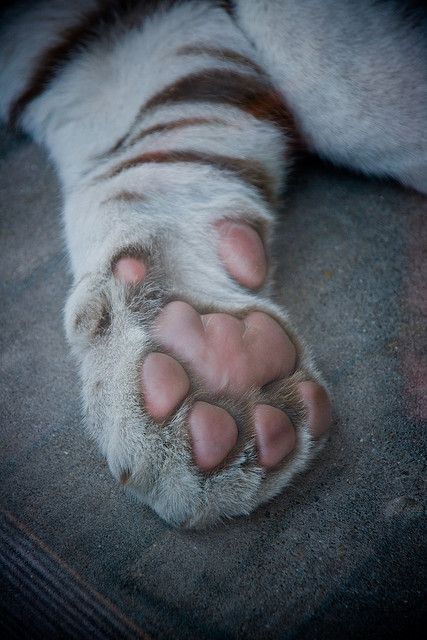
[[164, 124]]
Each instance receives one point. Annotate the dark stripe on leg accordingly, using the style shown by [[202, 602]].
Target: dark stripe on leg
[[222, 54], [125, 196], [248, 171], [251, 94], [71, 39], [160, 128]]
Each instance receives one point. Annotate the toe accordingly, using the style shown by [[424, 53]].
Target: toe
[[275, 435], [242, 253], [318, 405], [164, 384], [130, 270], [213, 434], [179, 328], [272, 352]]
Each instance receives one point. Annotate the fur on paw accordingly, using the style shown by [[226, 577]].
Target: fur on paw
[[204, 411]]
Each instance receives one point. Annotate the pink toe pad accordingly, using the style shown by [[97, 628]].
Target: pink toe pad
[[318, 407], [164, 384], [275, 435], [130, 270], [242, 252], [213, 434]]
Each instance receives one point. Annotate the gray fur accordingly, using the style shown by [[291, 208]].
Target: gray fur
[[355, 77]]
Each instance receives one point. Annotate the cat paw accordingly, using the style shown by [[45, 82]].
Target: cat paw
[[204, 411]]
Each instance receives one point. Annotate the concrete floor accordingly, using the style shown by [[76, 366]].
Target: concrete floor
[[339, 555]]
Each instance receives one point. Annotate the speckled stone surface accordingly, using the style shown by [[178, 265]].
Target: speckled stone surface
[[341, 553]]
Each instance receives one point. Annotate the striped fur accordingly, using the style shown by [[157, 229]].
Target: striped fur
[[50, 61], [90, 24], [251, 94], [249, 172], [149, 162], [161, 119], [223, 54]]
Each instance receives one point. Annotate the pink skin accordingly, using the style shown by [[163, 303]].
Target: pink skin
[[213, 434], [275, 435], [228, 354], [242, 253], [318, 407], [130, 270], [164, 384]]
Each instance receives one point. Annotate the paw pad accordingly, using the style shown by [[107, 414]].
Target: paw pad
[[130, 270], [164, 384], [224, 408], [242, 252], [213, 434]]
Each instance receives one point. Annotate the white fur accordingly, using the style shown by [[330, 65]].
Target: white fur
[[355, 77], [93, 102]]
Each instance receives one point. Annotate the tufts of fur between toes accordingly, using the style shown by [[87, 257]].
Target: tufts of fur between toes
[[108, 325]]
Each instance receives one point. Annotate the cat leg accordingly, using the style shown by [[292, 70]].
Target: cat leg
[[355, 76], [171, 145]]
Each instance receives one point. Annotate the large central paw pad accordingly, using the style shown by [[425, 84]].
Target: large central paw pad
[[230, 356], [227, 353]]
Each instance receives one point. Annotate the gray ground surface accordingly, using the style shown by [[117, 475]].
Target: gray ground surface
[[340, 554]]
